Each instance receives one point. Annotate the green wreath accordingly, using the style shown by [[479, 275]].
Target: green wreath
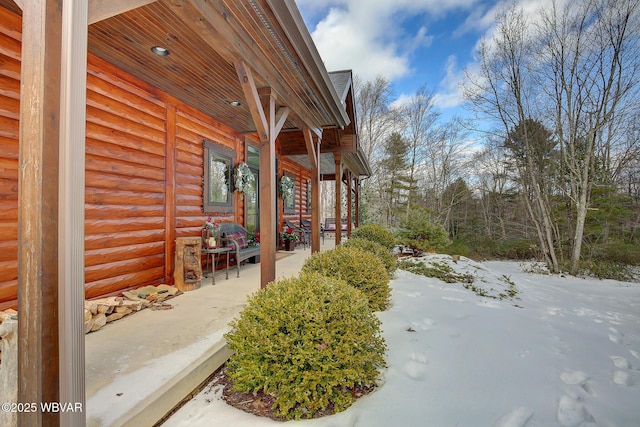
[[286, 188], [243, 178]]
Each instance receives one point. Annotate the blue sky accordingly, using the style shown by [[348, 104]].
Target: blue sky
[[411, 42]]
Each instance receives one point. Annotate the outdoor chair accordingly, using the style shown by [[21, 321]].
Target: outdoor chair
[[299, 230], [306, 225]]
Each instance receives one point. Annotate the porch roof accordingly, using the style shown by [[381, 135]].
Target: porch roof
[[204, 39]]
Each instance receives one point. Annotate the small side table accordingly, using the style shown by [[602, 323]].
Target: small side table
[[211, 253]]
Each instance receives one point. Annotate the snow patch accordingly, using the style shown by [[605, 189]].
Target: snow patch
[[574, 377], [516, 418], [572, 413]]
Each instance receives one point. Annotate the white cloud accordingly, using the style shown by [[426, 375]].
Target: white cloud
[[449, 94], [343, 43], [367, 35]]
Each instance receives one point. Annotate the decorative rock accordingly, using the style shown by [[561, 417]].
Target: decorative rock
[[115, 316], [99, 321], [9, 369], [123, 310], [88, 324]]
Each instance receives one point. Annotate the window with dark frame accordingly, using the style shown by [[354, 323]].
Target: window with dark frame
[[218, 177]]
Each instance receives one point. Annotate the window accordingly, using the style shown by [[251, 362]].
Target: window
[[218, 174]]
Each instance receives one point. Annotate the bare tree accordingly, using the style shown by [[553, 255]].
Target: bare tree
[[419, 118], [503, 90], [590, 57], [445, 160], [575, 73], [376, 121]]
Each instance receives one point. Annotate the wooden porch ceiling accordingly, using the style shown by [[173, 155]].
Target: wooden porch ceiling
[[204, 39]]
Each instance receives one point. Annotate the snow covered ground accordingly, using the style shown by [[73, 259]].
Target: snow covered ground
[[564, 352]]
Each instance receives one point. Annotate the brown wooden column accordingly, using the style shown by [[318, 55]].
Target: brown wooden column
[[349, 199], [338, 160], [357, 203], [268, 201], [170, 195], [40, 110], [262, 104], [313, 151]]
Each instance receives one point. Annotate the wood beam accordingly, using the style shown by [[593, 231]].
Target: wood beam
[[103, 9], [313, 149], [262, 104], [349, 179], [38, 333], [281, 118], [71, 208], [253, 99], [19, 3], [357, 203], [338, 234], [170, 194], [268, 205]]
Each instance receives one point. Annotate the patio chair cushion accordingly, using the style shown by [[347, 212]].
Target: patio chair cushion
[[239, 237]]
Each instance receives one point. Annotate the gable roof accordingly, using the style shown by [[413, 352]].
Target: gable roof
[[341, 81]]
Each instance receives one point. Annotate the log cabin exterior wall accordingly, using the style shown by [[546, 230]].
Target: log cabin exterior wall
[[144, 169], [10, 47], [301, 175]]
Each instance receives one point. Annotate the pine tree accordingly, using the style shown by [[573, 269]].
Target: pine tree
[[395, 188]]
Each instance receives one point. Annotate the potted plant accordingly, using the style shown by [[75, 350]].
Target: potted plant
[[210, 231], [290, 238]]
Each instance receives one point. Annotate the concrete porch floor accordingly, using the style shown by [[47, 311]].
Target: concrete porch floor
[[140, 367]]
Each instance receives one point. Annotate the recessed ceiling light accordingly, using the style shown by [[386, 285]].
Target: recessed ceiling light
[[235, 103], [160, 51]]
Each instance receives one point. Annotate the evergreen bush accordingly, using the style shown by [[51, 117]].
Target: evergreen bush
[[383, 254], [375, 233], [308, 342], [356, 267], [417, 231]]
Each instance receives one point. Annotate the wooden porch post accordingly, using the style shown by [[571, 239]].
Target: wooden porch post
[[314, 152], [72, 187], [262, 104], [38, 347], [268, 200], [357, 203], [338, 160], [349, 210]]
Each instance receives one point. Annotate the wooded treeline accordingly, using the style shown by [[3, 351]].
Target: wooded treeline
[[551, 167]]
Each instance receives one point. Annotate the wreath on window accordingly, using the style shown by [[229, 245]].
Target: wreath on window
[[286, 188], [243, 178]]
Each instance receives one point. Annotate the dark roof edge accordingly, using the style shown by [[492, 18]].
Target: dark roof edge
[[291, 21]]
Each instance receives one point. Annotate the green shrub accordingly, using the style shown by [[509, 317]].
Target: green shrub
[[306, 341], [375, 233], [417, 231], [356, 267], [383, 254], [604, 269]]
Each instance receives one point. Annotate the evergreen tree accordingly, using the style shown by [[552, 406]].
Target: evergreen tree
[[396, 183]]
